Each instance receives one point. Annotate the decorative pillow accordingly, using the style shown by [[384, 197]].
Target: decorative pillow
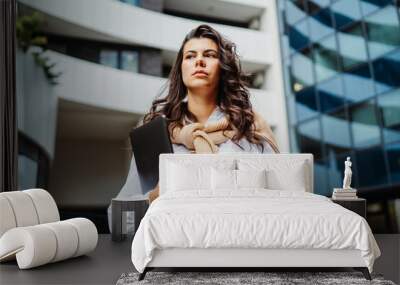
[[281, 174], [183, 178], [226, 179], [223, 179], [193, 171], [279, 180], [251, 178]]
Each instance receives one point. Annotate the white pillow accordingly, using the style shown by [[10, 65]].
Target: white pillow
[[279, 180], [193, 171], [251, 178], [282, 174], [223, 179], [227, 179], [182, 177]]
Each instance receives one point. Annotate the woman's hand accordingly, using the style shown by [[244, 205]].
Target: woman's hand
[[153, 194]]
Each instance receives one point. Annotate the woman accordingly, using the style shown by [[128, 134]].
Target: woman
[[207, 105], [206, 84]]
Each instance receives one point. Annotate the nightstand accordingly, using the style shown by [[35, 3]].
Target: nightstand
[[358, 205], [138, 205]]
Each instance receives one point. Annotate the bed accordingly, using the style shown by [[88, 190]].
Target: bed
[[247, 210]]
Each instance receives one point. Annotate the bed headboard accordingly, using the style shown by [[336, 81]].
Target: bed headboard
[[284, 163]]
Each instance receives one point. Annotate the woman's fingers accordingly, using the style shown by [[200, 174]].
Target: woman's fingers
[[153, 194]]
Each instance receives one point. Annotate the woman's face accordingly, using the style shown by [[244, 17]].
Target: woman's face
[[200, 64]]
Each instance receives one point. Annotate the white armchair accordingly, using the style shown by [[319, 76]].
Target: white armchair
[[31, 230]]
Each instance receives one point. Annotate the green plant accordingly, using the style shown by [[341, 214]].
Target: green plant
[[29, 34]]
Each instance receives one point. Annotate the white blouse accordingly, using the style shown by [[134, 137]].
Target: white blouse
[[132, 185]]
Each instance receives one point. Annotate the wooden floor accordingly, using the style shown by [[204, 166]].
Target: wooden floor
[[111, 259]]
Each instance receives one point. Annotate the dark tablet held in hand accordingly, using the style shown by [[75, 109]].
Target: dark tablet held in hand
[[148, 142]]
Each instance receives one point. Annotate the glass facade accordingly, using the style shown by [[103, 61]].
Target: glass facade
[[341, 63]]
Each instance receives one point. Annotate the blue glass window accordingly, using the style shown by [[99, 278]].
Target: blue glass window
[[353, 50], [109, 58], [302, 70], [321, 24], [389, 109], [295, 11], [130, 61], [309, 138], [387, 72], [131, 2], [331, 94], [306, 104], [364, 124], [345, 12], [299, 36], [321, 178], [336, 131], [393, 156], [369, 6], [383, 32], [371, 169], [315, 5], [325, 58], [358, 84]]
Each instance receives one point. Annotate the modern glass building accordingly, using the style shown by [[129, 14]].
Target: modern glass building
[[342, 83]]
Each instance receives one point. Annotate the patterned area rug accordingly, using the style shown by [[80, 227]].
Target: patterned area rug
[[230, 278]]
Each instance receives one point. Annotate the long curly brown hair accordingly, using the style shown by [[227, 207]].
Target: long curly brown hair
[[233, 97]]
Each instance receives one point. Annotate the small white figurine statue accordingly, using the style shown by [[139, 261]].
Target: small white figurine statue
[[347, 174]]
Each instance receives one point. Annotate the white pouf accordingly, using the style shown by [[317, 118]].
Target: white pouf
[[31, 230]]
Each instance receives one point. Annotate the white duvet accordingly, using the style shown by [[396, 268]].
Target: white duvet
[[253, 218]]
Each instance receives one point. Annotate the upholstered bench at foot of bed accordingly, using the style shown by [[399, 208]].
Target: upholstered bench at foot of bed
[[45, 243]]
